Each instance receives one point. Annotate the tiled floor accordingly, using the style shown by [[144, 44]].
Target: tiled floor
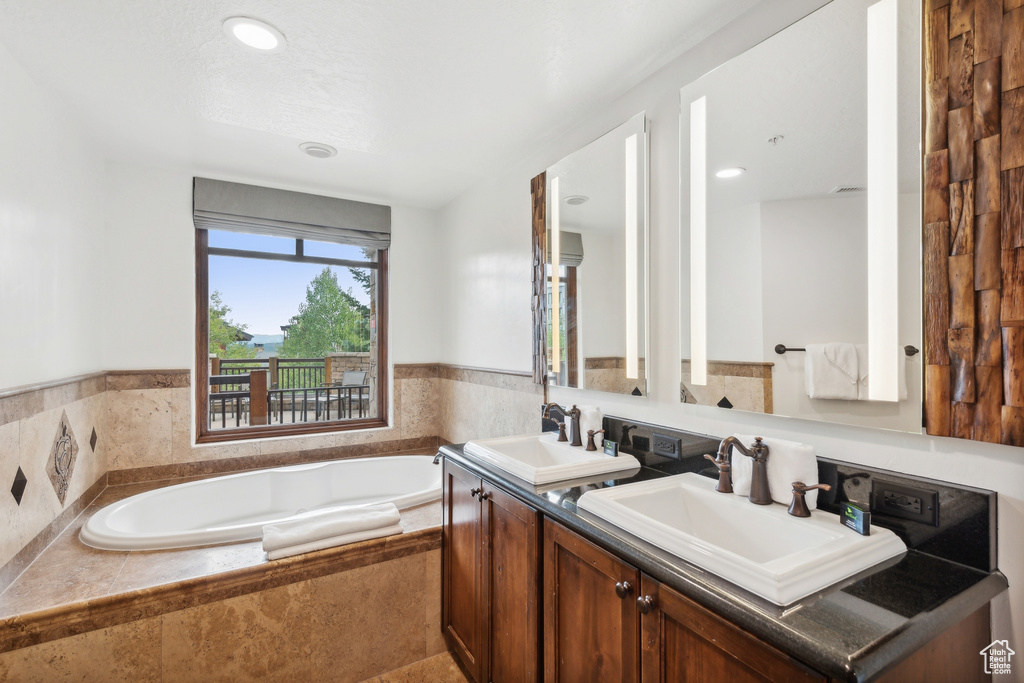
[[437, 669], [68, 571]]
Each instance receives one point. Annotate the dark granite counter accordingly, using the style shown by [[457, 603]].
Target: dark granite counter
[[854, 630]]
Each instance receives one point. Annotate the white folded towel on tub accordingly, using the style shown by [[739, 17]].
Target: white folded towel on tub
[[332, 541], [830, 371], [331, 523], [788, 461]]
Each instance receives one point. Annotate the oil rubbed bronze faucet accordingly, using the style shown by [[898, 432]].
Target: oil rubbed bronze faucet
[[759, 491], [561, 425]]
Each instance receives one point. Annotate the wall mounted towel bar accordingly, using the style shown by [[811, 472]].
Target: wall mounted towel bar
[[782, 348]]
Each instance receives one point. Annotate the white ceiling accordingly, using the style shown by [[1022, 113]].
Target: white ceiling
[[421, 98]]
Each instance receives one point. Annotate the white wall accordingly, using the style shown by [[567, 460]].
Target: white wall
[[150, 275], [51, 236], [735, 327], [602, 296], [488, 320]]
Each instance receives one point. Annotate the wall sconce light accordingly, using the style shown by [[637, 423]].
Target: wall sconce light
[[556, 280], [698, 243], [632, 286]]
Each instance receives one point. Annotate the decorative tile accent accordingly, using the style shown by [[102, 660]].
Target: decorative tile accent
[[18, 489], [61, 464], [725, 402], [92, 440]]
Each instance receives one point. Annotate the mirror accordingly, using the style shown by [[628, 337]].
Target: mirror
[[800, 219], [595, 258]]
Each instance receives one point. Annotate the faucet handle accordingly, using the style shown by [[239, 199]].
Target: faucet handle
[[591, 445], [798, 507], [561, 432], [724, 472]]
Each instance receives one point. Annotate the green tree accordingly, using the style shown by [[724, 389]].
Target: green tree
[[330, 320], [224, 341]]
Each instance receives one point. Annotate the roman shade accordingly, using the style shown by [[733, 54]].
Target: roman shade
[[222, 205], [571, 251]]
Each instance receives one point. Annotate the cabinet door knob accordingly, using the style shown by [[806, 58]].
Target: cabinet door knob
[[485, 496], [623, 589], [474, 492], [644, 604]]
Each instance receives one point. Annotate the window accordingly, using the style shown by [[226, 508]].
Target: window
[[291, 312]]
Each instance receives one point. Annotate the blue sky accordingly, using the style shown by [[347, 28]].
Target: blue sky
[[262, 294]]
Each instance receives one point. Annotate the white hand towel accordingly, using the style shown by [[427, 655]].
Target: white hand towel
[[320, 524], [830, 371], [788, 461], [344, 539], [591, 418], [862, 367]]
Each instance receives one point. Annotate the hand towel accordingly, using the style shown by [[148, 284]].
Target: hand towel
[[788, 461], [591, 418], [862, 367], [321, 524], [332, 541], [830, 371]]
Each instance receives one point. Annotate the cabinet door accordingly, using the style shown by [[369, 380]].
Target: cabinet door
[[512, 578], [591, 623], [462, 554], [683, 641]]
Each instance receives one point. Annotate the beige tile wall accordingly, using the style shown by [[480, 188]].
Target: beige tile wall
[[311, 630]]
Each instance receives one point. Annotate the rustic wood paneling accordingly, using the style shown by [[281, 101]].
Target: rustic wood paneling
[[986, 98], [961, 217], [961, 362], [936, 291], [988, 339], [961, 71], [1012, 127], [936, 116], [986, 198], [936, 316], [962, 416], [1013, 370], [937, 45], [961, 144], [961, 17], [988, 17], [1013, 49], [936, 404], [538, 197], [1010, 4], [930, 5], [987, 254], [961, 291], [1013, 426], [936, 187], [1011, 310], [988, 406], [1012, 199]]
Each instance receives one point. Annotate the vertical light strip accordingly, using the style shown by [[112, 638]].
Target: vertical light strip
[[883, 203], [556, 279], [632, 286], [698, 243]]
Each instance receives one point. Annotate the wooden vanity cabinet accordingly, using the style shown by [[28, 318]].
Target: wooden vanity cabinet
[[491, 574]]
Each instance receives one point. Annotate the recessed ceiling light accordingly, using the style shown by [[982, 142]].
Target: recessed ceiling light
[[731, 172], [255, 34], [576, 199], [318, 150]]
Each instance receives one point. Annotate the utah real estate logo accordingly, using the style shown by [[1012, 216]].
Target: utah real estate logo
[[997, 657]]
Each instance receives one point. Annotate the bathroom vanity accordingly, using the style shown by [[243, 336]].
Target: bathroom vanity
[[536, 589]]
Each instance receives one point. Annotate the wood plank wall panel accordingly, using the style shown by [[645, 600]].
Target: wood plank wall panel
[[538, 196], [974, 219]]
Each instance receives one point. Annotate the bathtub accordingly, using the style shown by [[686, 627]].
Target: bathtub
[[235, 507]]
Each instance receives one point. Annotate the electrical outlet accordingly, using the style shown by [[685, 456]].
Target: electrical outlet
[[669, 446], [905, 502], [641, 443]]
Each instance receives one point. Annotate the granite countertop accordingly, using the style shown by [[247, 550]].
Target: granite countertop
[[854, 630]]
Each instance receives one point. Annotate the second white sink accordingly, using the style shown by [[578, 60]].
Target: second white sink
[[761, 548], [541, 458]]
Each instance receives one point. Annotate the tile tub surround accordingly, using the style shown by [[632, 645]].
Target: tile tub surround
[[747, 385], [72, 589]]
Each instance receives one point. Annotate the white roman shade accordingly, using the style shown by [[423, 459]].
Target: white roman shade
[[570, 252], [221, 205]]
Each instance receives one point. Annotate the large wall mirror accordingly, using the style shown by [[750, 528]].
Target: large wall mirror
[[594, 275], [801, 222]]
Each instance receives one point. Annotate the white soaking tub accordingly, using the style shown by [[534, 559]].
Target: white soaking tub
[[235, 507]]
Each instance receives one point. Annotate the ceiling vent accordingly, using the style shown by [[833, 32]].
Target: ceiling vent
[[847, 189]]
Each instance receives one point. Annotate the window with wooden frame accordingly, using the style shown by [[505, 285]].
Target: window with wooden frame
[[291, 312]]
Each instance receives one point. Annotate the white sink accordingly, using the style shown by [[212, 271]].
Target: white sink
[[761, 548], [541, 458]]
